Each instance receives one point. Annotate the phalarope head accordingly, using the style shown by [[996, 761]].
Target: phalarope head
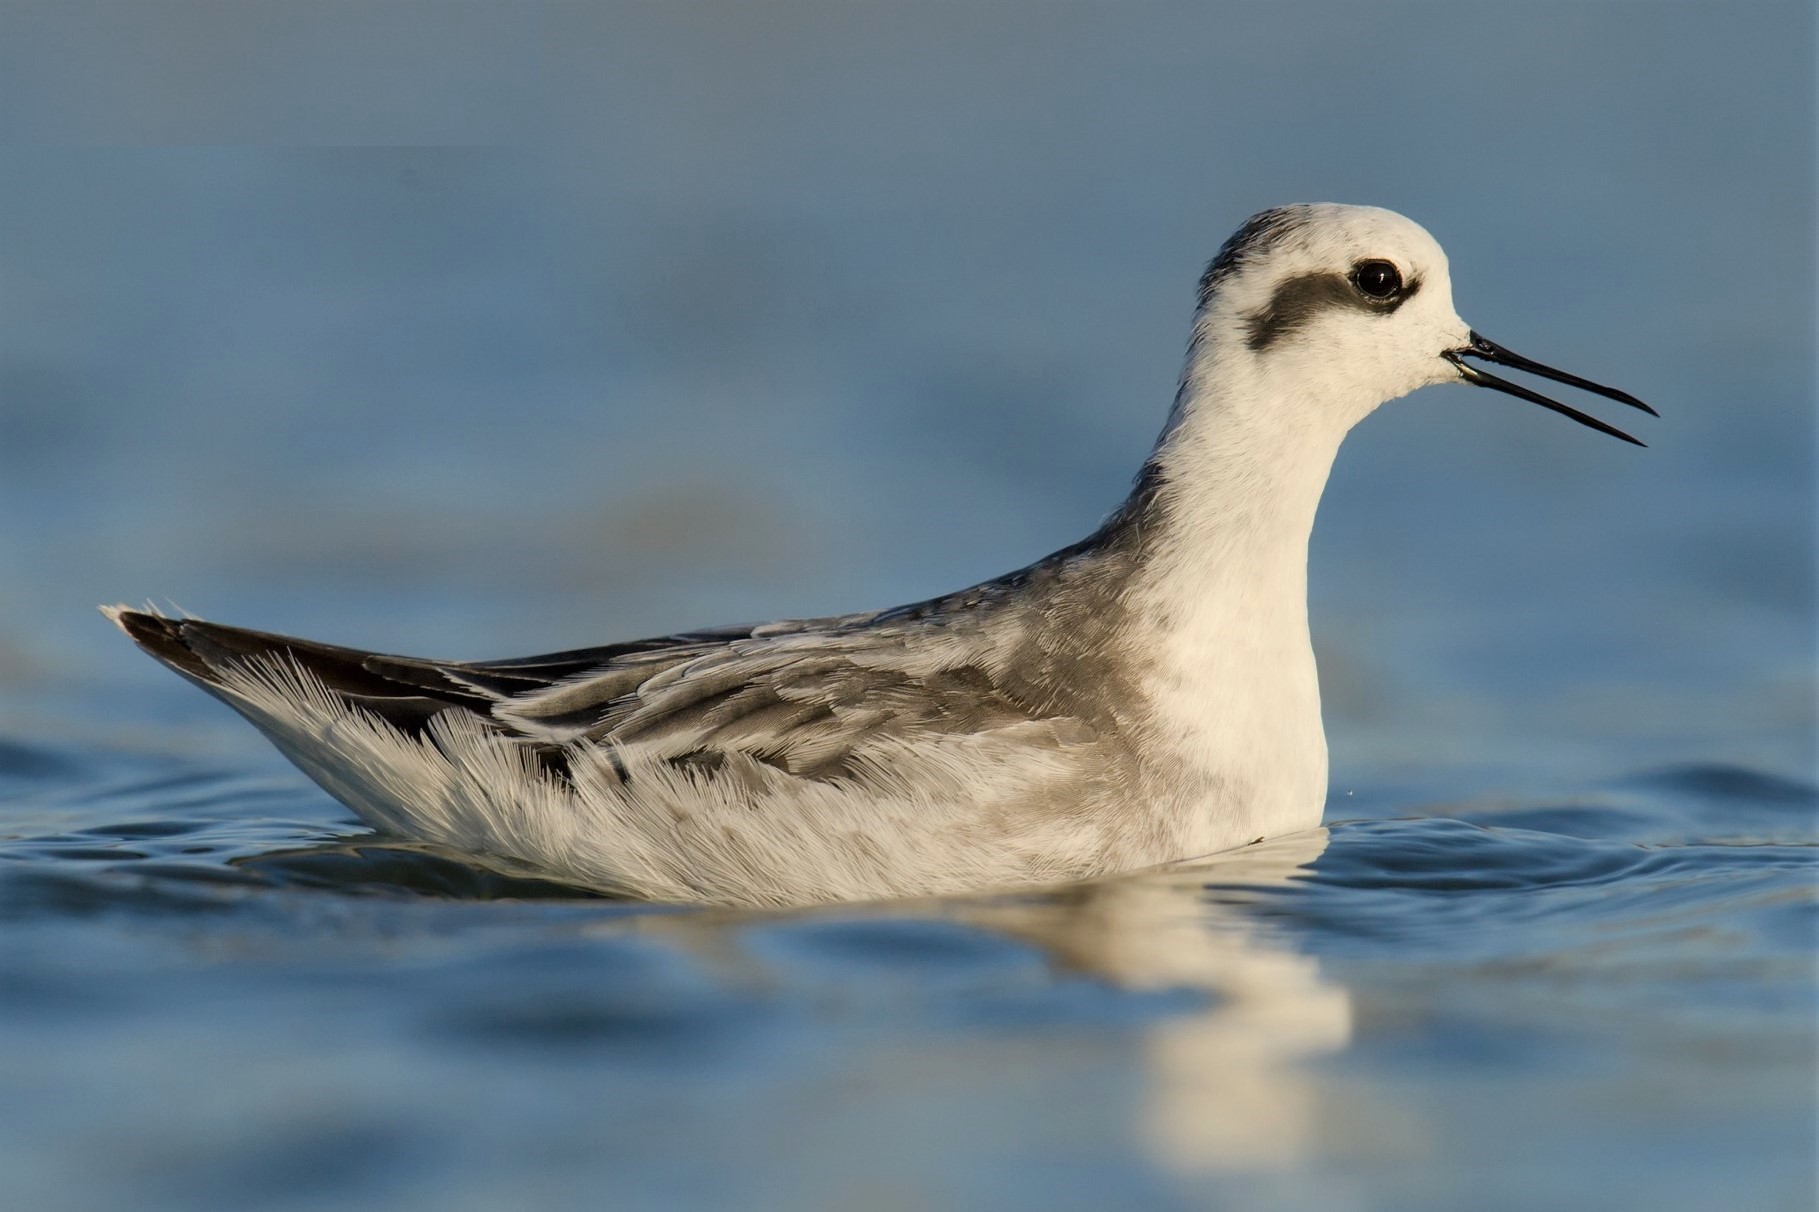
[[1342, 308]]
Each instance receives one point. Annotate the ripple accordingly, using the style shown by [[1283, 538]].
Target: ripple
[[89, 854], [1722, 783], [1715, 800], [1590, 821], [1439, 856], [147, 829], [22, 761], [1438, 886], [375, 867], [652, 1031], [47, 892], [901, 944], [643, 1002]]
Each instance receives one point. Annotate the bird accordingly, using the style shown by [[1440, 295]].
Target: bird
[[1145, 695]]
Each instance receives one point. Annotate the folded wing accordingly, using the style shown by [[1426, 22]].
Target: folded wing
[[806, 697]]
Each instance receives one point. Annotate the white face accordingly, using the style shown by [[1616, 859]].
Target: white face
[[1343, 307], [1315, 315]]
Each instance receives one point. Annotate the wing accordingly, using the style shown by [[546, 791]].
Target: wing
[[809, 704], [808, 697]]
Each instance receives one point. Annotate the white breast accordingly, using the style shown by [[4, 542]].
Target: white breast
[[1234, 703]]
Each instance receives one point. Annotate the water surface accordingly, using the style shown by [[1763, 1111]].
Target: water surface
[[622, 319], [216, 998]]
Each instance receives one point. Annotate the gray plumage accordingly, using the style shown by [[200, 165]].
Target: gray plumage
[[1145, 695], [829, 704]]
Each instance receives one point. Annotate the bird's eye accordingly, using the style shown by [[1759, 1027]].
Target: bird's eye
[[1378, 279]]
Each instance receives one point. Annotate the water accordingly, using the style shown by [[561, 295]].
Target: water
[[217, 1000], [632, 319]]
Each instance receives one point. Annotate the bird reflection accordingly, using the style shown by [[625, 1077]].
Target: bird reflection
[[1223, 1088]]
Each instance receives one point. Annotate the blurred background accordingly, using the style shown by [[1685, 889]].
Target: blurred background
[[477, 329]]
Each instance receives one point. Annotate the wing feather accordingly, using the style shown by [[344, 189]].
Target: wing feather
[[808, 696]]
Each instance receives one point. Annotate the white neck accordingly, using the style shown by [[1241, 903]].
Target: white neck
[[1223, 593], [1243, 464]]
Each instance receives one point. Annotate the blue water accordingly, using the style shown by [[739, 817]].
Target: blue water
[[629, 319]]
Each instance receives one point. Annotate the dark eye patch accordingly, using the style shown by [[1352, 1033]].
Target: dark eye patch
[[1298, 300]]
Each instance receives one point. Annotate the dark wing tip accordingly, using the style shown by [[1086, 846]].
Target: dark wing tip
[[162, 637], [208, 652]]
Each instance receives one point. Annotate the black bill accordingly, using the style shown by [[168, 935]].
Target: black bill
[[1490, 351]]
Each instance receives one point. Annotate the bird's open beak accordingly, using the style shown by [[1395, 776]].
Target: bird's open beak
[[1490, 351]]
